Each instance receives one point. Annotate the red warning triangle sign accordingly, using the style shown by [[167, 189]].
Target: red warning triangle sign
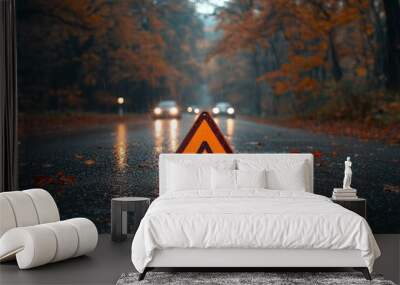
[[204, 137]]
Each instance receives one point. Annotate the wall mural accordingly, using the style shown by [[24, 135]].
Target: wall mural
[[106, 86]]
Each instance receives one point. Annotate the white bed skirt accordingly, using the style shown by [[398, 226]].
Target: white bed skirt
[[192, 257]]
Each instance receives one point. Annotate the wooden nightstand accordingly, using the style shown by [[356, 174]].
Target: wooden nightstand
[[357, 205]]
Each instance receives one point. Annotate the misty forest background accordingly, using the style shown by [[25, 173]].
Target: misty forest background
[[307, 60]]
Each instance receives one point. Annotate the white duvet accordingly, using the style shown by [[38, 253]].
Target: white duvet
[[250, 219]]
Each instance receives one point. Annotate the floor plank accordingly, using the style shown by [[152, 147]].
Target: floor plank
[[103, 266], [389, 262]]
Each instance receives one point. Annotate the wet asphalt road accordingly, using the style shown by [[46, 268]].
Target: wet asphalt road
[[84, 170]]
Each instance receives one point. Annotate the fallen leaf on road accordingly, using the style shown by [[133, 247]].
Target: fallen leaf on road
[[391, 188], [42, 180], [317, 154], [59, 179], [65, 180], [89, 162], [255, 143], [148, 164], [78, 156]]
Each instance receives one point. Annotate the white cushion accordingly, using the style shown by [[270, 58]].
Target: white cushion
[[23, 208], [223, 179], [7, 218], [182, 177], [40, 244], [45, 206], [67, 240], [32, 246], [287, 175], [87, 233], [251, 178], [185, 174]]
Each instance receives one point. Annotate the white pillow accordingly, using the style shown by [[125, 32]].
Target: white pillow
[[204, 162], [281, 174], [223, 179], [251, 178], [290, 178], [183, 177]]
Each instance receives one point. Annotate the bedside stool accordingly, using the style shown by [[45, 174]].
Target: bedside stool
[[119, 215], [357, 205]]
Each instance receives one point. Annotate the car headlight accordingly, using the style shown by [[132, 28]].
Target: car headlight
[[190, 109], [196, 110], [230, 111], [215, 110], [157, 111], [173, 111]]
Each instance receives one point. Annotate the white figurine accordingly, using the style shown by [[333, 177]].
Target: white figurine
[[347, 174]]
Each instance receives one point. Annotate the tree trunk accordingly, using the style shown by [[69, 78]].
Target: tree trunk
[[392, 62], [276, 64], [257, 87], [336, 69]]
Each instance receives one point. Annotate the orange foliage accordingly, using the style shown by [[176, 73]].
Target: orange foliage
[[312, 32], [129, 37], [361, 71]]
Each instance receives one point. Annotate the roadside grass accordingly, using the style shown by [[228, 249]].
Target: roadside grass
[[352, 109], [54, 123], [389, 134]]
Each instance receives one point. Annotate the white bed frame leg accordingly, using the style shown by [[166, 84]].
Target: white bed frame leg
[[364, 271], [143, 274]]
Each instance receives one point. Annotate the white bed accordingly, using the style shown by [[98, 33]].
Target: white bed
[[249, 227]]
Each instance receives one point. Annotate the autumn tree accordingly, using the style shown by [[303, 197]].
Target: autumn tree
[[392, 63], [86, 53], [183, 30], [303, 44], [236, 21]]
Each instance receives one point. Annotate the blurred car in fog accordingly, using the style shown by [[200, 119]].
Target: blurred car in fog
[[193, 109], [167, 109], [223, 109]]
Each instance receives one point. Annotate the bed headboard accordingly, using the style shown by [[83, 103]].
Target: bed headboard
[[209, 158]]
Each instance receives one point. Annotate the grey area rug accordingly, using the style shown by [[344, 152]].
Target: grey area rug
[[269, 278]]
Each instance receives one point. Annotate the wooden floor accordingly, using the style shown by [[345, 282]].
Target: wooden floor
[[110, 260], [103, 266], [389, 262]]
